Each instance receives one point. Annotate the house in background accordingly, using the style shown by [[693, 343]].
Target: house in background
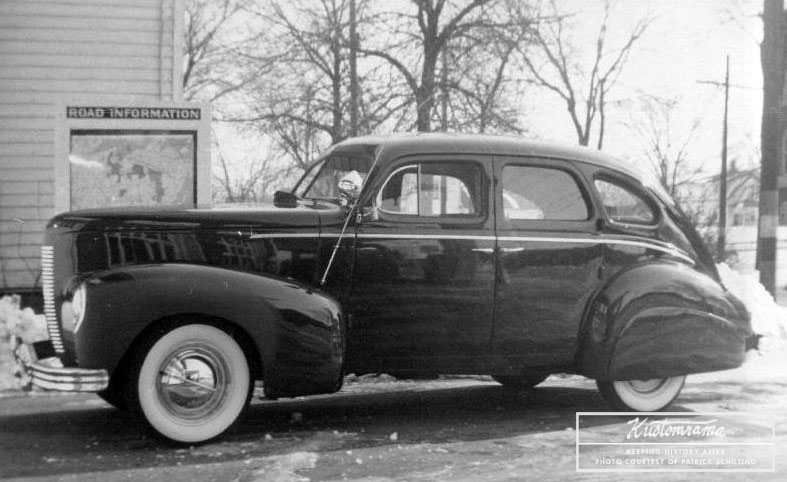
[[701, 200], [91, 114]]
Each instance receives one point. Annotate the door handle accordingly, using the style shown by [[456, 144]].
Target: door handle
[[512, 250], [483, 250]]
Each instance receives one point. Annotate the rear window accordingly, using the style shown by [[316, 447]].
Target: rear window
[[541, 193], [624, 205]]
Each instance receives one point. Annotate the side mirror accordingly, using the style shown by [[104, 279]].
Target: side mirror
[[283, 199], [350, 185]]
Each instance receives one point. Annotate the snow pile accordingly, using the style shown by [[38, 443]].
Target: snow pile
[[767, 318], [16, 321]]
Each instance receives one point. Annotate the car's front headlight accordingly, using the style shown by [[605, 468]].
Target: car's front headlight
[[78, 306]]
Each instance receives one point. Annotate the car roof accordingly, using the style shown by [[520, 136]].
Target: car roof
[[403, 144]]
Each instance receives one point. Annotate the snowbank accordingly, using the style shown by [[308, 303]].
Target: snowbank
[[767, 318], [21, 322]]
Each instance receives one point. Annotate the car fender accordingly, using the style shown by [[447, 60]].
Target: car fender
[[296, 330], [660, 319]]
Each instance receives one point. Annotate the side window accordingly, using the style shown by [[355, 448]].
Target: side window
[[531, 193], [433, 189], [623, 205]]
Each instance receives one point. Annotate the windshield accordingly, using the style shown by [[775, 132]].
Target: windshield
[[322, 179]]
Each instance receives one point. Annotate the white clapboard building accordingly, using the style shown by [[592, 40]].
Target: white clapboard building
[[91, 114]]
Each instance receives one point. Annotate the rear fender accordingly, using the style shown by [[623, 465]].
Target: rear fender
[[662, 319], [297, 331]]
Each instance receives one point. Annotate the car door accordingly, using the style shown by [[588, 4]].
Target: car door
[[550, 261], [423, 288]]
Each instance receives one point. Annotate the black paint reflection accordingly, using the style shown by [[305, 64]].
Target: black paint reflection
[[543, 291], [419, 302]]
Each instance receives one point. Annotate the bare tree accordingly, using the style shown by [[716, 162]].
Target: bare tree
[[246, 180], [310, 85], [479, 72], [437, 23], [552, 63], [665, 147], [304, 105], [218, 50]]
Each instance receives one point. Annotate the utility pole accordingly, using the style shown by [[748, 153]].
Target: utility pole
[[773, 72], [353, 72], [722, 238], [444, 86], [721, 244]]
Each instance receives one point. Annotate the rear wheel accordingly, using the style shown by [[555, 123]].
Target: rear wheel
[[520, 382], [192, 384], [641, 395]]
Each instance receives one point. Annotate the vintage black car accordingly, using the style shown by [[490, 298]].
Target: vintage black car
[[414, 255]]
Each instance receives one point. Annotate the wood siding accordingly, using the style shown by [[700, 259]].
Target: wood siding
[[53, 51]]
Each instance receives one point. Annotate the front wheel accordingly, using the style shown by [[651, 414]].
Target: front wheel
[[641, 395], [192, 384]]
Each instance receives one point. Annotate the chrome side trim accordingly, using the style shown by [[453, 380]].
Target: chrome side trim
[[48, 287], [425, 236], [292, 235], [668, 249], [664, 248]]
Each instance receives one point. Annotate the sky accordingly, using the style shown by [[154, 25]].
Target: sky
[[686, 42]]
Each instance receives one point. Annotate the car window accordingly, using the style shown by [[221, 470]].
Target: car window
[[322, 180], [541, 193], [624, 205], [433, 189]]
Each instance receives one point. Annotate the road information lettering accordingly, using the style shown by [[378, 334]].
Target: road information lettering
[[135, 113], [675, 442]]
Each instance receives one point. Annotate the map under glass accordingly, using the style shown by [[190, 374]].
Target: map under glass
[[131, 168]]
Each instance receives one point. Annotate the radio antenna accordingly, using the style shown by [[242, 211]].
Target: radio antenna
[[350, 213]]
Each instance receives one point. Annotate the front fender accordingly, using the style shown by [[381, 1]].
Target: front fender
[[296, 330], [662, 319]]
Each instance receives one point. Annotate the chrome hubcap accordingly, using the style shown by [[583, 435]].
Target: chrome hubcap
[[192, 382]]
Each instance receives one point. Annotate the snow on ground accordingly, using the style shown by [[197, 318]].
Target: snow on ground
[[769, 319], [21, 322]]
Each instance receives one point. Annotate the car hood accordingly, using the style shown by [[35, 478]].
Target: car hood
[[267, 218]]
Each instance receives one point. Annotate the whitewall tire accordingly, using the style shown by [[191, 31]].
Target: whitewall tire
[[641, 395], [192, 384]]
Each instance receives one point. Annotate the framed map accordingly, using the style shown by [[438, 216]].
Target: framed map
[[132, 168]]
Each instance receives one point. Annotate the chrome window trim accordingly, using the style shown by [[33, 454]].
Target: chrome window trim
[[378, 201]]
